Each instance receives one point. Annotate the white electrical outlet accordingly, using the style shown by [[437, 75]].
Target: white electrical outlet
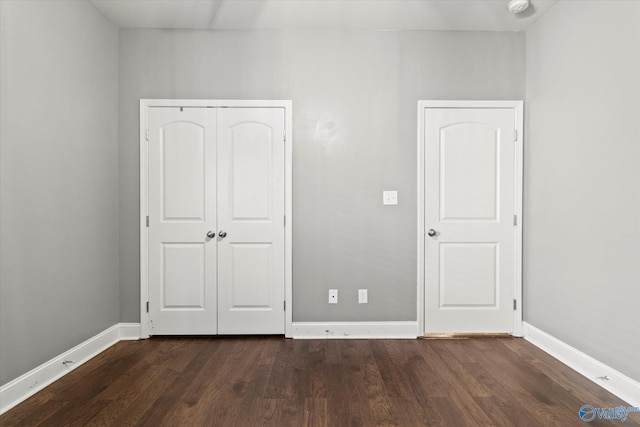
[[333, 296], [362, 296], [389, 197]]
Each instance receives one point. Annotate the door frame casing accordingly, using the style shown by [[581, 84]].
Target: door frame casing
[[518, 107], [145, 104]]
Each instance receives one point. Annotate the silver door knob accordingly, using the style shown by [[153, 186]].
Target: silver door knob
[[431, 232], [222, 234], [211, 234]]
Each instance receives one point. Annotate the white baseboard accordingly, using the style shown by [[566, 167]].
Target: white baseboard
[[619, 384], [35, 380], [129, 331], [354, 330]]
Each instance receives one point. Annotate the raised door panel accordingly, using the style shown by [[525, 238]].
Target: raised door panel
[[469, 155], [252, 171], [468, 275], [251, 276], [182, 283], [182, 174]]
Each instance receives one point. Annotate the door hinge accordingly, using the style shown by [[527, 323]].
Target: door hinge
[[515, 304], [285, 305], [515, 220], [146, 134], [515, 135], [147, 306], [285, 220], [147, 221]]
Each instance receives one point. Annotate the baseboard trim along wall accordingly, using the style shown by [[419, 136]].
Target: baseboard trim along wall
[[354, 330], [619, 384], [25, 386]]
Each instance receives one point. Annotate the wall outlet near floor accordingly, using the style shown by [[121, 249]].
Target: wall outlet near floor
[[333, 296], [362, 296]]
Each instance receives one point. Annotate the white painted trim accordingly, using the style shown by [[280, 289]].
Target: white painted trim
[[288, 211], [421, 225], [237, 103], [144, 191], [518, 182], [129, 331], [28, 384], [144, 211], [518, 107], [619, 384], [355, 330]]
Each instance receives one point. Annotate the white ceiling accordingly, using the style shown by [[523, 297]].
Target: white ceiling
[[448, 15]]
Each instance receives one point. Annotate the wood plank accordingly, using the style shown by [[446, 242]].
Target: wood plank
[[396, 376], [316, 412], [463, 371]]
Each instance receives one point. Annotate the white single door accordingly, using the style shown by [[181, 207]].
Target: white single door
[[469, 219], [182, 210], [251, 203]]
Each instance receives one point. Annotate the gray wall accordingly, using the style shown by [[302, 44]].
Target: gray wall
[[582, 225], [58, 206], [355, 104]]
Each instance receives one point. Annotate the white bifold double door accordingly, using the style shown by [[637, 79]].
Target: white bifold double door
[[216, 233]]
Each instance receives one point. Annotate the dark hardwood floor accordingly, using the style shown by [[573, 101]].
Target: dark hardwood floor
[[250, 381]]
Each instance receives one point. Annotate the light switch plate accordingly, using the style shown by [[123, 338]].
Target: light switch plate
[[390, 197]]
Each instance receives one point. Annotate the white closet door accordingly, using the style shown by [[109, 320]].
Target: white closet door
[[182, 210], [251, 198]]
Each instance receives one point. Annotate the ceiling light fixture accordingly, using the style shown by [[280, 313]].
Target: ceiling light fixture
[[517, 6]]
